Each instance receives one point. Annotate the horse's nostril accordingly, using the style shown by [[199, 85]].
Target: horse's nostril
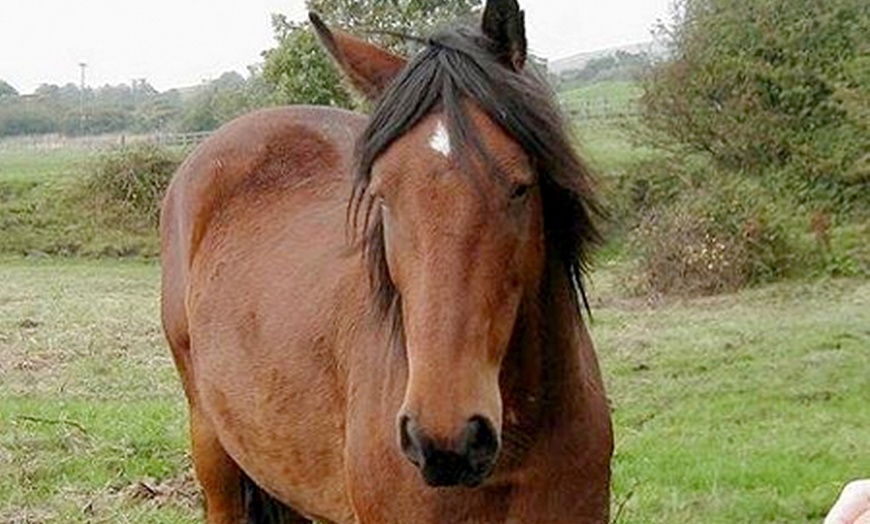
[[409, 441], [481, 442], [468, 459]]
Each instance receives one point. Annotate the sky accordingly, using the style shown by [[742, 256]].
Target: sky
[[178, 43]]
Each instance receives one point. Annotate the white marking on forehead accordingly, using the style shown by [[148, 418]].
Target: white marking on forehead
[[440, 140]]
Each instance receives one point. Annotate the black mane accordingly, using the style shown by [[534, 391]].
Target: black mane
[[459, 66]]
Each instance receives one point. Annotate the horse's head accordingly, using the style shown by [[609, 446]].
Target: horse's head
[[452, 205], [463, 244]]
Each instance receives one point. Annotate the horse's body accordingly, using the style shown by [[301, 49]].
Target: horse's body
[[294, 378]]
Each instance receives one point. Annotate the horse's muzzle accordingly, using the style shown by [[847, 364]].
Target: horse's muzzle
[[468, 461]]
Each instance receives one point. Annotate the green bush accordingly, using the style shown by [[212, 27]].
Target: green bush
[[694, 229], [130, 181], [769, 84], [763, 107]]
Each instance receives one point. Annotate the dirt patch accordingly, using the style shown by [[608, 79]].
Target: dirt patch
[[29, 323], [182, 490], [26, 516]]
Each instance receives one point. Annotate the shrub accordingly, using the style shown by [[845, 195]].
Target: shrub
[[761, 84], [693, 229], [130, 181], [680, 254], [763, 105]]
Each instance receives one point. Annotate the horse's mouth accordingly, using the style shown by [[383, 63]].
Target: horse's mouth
[[446, 469]]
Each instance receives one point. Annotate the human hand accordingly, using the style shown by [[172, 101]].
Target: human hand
[[853, 506]]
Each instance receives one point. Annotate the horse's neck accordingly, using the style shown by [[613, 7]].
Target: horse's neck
[[541, 374]]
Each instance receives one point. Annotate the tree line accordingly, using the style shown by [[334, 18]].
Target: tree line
[[136, 107], [294, 71]]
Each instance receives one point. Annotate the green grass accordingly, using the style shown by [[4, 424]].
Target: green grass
[[45, 210], [608, 147], [617, 93], [606, 142], [746, 408], [23, 165], [90, 406]]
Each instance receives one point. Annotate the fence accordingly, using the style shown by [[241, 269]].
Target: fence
[[181, 139], [602, 109], [99, 142]]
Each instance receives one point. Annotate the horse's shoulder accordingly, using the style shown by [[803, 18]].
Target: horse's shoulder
[[261, 153]]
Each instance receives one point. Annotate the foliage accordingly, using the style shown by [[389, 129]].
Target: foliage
[[132, 179], [6, 89], [764, 104], [26, 119], [761, 84], [695, 229], [619, 66], [47, 207], [691, 235], [224, 99], [412, 17], [72, 111], [299, 70], [134, 108]]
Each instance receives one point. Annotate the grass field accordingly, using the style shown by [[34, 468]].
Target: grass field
[[45, 210], [748, 408], [24, 165], [90, 413], [606, 142], [616, 93]]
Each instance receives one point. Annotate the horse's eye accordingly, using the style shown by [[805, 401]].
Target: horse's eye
[[520, 191]]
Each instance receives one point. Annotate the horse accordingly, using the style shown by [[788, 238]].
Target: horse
[[380, 319]]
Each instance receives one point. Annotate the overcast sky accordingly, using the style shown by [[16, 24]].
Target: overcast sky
[[175, 43]]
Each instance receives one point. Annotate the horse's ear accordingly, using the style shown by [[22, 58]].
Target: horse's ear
[[369, 68], [505, 25]]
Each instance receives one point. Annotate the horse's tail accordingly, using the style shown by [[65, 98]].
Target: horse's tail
[[262, 508]]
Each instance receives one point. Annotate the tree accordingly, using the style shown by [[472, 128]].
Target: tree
[[761, 84], [6, 90], [413, 17], [26, 119], [157, 112], [300, 72], [221, 100]]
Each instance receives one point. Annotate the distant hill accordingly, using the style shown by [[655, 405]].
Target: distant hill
[[579, 61]]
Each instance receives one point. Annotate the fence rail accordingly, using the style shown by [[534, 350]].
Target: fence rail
[[602, 109], [181, 139], [590, 109], [99, 142]]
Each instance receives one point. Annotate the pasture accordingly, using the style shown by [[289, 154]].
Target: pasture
[[744, 408], [45, 210]]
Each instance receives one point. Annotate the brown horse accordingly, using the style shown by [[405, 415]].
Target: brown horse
[[392, 334]]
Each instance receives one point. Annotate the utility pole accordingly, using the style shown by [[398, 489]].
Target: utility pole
[[82, 65]]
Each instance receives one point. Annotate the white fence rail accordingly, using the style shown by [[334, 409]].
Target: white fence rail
[[98, 142]]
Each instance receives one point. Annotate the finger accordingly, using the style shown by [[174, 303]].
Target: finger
[[853, 503]]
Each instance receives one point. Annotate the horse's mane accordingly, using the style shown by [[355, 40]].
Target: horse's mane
[[456, 67]]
